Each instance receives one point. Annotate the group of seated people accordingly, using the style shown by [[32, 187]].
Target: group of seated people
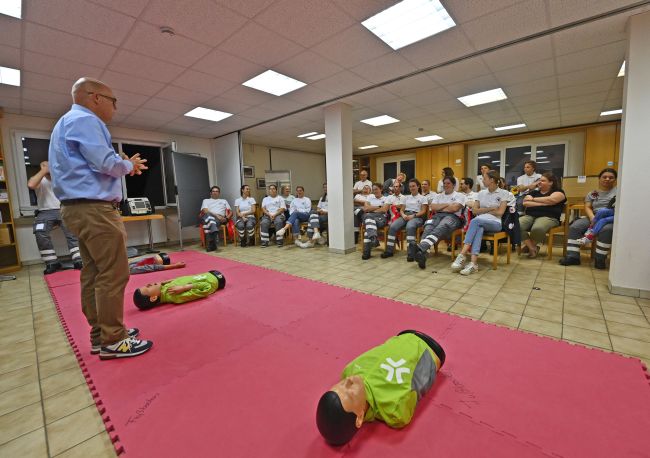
[[526, 212]]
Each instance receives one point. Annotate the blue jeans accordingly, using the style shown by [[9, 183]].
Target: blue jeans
[[295, 219], [475, 232]]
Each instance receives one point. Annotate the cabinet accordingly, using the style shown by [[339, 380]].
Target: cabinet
[[358, 164], [9, 258], [601, 147]]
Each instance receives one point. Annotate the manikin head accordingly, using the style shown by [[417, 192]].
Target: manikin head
[[96, 96], [341, 410], [162, 259], [466, 185]]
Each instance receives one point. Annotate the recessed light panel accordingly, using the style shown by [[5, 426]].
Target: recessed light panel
[[621, 72], [11, 8], [428, 138], [208, 114], [480, 98], [274, 83], [10, 76], [380, 120], [316, 137], [511, 126], [409, 21], [369, 146], [611, 112], [308, 134]]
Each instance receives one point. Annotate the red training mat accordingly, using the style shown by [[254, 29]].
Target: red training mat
[[240, 373]]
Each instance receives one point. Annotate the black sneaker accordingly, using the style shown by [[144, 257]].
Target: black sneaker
[[599, 263], [242, 242], [421, 258], [52, 267], [570, 261], [132, 333], [264, 244], [387, 254], [251, 241], [126, 348], [78, 265], [410, 252], [366, 251]]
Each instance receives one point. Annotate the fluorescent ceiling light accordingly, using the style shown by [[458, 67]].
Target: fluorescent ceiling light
[[380, 120], [308, 134], [316, 137], [527, 152], [428, 138], [274, 83], [369, 146], [208, 114], [10, 76], [495, 162], [621, 72], [611, 112], [483, 157], [544, 162], [542, 157], [11, 8], [493, 95], [540, 151], [511, 126], [409, 21]]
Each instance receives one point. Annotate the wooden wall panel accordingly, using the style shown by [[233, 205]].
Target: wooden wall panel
[[458, 152], [439, 160], [423, 164], [600, 148]]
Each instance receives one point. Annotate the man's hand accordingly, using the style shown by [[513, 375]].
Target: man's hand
[[138, 164]]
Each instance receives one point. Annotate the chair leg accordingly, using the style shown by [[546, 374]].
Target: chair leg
[[509, 250], [495, 250], [549, 246]]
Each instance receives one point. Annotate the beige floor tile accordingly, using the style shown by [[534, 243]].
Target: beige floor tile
[[437, 303], [57, 365], [480, 301], [74, 429], [629, 331], [19, 377], [543, 313], [631, 346], [67, 402], [411, 297], [584, 310], [386, 291], [448, 294], [15, 361], [504, 318], [585, 322], [608, 297], [30, 445], [48, 352], [586, 336], [547, 328], [457, 286], [21, 421], [556, 294], [25, 346], [643, 302], [626, 318], [62, 381], [470, 310], [99, 446], [579, 300], [505, 306], [20, 397], [622, 307], [516, 298]]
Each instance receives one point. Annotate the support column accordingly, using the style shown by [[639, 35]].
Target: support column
[[629, 270], [338, 155]]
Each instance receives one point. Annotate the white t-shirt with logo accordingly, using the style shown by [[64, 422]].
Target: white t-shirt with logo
[[489, 199], [480, 183], [45, 197], [300, 205], [359, 185], [375, 201], [430, 196], [322, 204], [470, 197], [395, 200], [245, 204], [453, 198], [361, 199], [216, 206], [413, 203], [273, 204]]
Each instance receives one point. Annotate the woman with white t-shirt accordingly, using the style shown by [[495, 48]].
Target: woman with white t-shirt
[[317, 220], [245, 217], [272, 214], [299, 212], [481, 179], [489, 206], [412, 211]]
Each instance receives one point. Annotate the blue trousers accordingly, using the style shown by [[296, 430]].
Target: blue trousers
[[475, 231], [295, 219]]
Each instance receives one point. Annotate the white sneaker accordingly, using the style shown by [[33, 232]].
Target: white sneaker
[[306, 245], [458, 263], [470, 269], [280, 233], [316, 236], [583, 241], [321, 240], [298, 243]]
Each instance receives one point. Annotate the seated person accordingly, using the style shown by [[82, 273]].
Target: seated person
[[299, 212], [602, 216], [384, 383], [288, 198], [447, 172], [153, 264], [448, 207], [389, 185], [245, 217], [374, 218], [427, 192], [317, 220], [466, 185], [543, 208], [594, 201], [214, 213], [395, 202], [359, 201], [179, 290], [489, 207], [412, 212], [362, 183], [47, 218], [273, 208], [481, 180]]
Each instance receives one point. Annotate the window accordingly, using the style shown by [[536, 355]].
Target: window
[[550, 158], [514, 166], [31, 149], [490, 158]]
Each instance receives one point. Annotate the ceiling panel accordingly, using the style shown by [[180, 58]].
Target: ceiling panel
[[249, 8], [384, 68], [131, 83], [11, 29], [129, 7], [352, 47], [53, 84], [227, 66], [179, 94], [203, 82], [9, 56], [307, 67], [57, 67], [528, 52], [145, 67]]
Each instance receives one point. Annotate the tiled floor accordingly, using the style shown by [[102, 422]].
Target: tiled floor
[[46, 408]]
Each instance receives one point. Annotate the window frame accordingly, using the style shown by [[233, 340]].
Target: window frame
[[518, 144]]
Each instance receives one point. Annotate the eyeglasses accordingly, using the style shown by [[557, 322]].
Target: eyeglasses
[[112, 99]]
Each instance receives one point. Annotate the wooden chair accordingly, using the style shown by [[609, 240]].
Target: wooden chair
[[495, 237], [562, 229], [458, 233], [224, 235]]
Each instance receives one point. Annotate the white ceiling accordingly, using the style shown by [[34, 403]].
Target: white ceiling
[[562, 79]]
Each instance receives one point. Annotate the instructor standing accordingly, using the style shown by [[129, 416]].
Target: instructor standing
[[86, 173]]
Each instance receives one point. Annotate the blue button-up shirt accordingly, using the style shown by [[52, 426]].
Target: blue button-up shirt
[[82, 161]]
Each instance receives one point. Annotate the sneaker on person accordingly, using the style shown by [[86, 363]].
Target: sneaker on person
[[131, 332], [280, 233], [264, 244], [583, 241], [308, 244], [469, 269], [126, 348], [298, 243], [458, 264], [322, 240], [316, 236]]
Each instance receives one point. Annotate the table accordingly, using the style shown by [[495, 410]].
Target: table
[[148, 219]]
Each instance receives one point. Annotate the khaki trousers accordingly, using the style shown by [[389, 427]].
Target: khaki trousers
[[102, 244], [536, 228]]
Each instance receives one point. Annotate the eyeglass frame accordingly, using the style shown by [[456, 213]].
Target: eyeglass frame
[[112, 99]]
